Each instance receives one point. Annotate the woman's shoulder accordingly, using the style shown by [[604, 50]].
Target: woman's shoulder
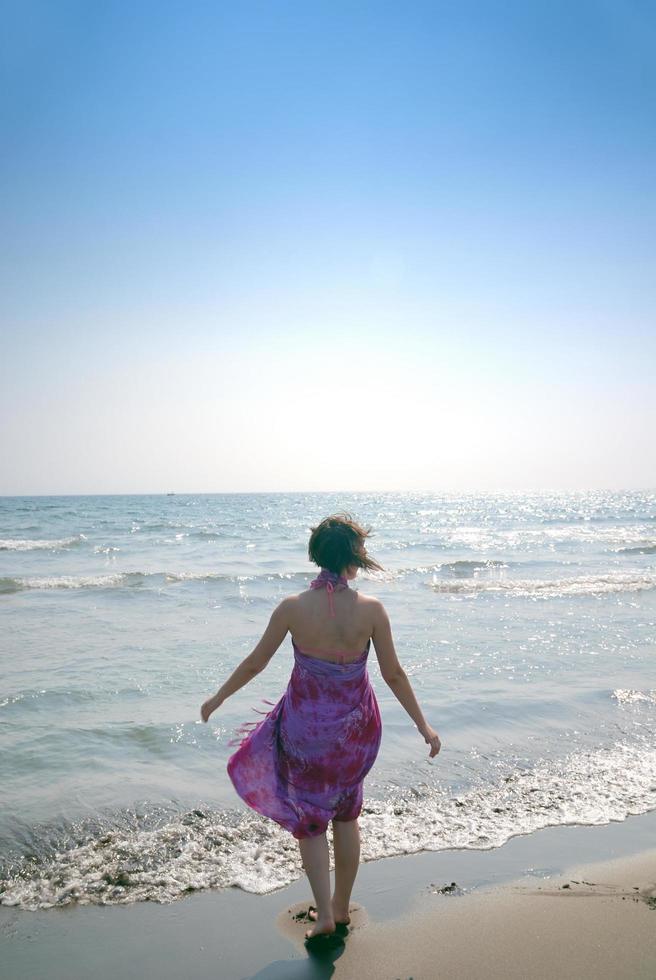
[[371, 600], [372, 608]]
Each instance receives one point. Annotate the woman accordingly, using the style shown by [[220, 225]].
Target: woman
[[304, 763]]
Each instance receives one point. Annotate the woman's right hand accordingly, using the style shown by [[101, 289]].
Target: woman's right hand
[[433, 739]]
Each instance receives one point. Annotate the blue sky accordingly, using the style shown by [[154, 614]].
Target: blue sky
[[298, 246]]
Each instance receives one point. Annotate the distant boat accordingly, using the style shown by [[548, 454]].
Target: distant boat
[[170, 493]]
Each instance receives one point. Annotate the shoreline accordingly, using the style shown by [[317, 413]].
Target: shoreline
[[498, 910]]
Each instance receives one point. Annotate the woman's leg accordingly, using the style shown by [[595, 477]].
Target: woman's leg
[[315, 858], [346, 843]]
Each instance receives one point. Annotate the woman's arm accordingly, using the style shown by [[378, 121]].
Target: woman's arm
[[255, 662], [397, 679]]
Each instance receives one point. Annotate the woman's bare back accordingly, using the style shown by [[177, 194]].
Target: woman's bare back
[[316, 632]]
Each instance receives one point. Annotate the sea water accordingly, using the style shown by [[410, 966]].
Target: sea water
[[526, 623]]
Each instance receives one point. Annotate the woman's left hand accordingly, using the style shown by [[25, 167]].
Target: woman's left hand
[[209, 706]]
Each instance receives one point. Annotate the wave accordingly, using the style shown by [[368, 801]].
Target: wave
[[617, 540], [471, 567], [135, 579], [300, 577], [73, 582], [583, 585], [627, 696], [211, 533], [608, 538], [28, 544], [56, 698], [161, 856], [465, 578]]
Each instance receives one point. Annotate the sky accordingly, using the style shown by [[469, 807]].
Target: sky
[[292, 246]]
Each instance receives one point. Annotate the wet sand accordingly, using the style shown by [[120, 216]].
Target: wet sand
[[542, 906], [597, 921]]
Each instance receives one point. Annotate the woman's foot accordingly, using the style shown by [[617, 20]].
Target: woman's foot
[[321, 927], [341, 916]]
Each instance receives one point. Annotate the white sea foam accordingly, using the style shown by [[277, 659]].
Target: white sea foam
[[614, 538], [471, 566], [464, 578], [628, 696], [581, 585], [49, 544], [131, 579], [643, 548], [72, 581], [207, 849]]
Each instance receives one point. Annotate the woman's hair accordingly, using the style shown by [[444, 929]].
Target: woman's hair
[[338, 542]]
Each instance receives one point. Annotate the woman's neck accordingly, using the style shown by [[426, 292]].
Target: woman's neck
[[325, 576]]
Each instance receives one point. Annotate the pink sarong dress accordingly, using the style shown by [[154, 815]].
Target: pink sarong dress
[[304, 764]]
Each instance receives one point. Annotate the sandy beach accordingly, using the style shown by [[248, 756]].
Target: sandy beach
[[598, 921], [542, 906]]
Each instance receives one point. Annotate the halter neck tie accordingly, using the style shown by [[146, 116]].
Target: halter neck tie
[[331, 581]]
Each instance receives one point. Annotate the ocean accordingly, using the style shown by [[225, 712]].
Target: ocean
[[526, 623]]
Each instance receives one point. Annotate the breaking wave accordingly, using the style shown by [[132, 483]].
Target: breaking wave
[[157, 855], [134, 579], [646, 548], [627, 696], [28, 544], [582, 585]]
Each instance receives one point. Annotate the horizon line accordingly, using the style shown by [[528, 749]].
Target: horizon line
[[237, 493]]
